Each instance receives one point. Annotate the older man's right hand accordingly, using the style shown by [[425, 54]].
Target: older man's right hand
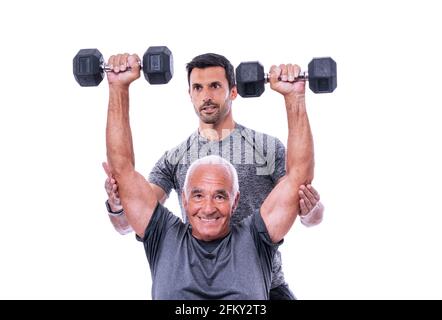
[[125, 69]]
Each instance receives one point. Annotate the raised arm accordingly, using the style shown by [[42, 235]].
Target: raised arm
[[281, 206], [137, 196]]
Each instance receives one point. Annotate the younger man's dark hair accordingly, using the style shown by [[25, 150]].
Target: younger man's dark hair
[[212, 60]]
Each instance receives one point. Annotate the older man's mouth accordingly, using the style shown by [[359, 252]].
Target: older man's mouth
[[208, 220]]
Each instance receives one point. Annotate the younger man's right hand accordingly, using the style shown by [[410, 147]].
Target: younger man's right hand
[[111, 187]]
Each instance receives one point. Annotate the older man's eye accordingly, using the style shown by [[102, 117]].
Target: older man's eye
[[197, 196]]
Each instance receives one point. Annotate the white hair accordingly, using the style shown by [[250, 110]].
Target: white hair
[[213, 160]]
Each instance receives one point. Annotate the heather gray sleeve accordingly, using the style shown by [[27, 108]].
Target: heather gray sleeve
[[279, 160], [266, 248], [162, 174], [161, 220]]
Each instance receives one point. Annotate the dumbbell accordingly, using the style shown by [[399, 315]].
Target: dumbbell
[[322, 77], [89, 66]]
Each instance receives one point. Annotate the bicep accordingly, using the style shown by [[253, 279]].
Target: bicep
[[280, 208], [139, 200]]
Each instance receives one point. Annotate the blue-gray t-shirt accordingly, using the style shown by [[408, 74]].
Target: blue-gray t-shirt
[[239, 266], [259, 160]]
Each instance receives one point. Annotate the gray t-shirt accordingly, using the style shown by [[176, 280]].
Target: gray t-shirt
[[237, 267], [258, 158]]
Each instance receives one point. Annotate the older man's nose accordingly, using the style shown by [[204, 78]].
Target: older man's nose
[[208, 206]]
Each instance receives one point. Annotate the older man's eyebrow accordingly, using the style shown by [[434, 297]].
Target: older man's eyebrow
[[196, 191], [222, 192]]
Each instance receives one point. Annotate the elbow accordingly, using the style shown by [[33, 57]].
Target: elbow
[[308, 170], [309, 175]]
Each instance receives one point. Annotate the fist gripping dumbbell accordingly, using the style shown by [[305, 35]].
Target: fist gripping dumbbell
[[89, 66], [322, 77]]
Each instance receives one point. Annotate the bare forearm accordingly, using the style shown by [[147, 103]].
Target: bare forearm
[[300, 154], [118, 133]]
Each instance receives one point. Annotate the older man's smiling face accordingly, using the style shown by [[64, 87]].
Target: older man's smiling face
[[209, 201]]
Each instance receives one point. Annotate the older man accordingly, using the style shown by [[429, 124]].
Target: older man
[[207, 257]]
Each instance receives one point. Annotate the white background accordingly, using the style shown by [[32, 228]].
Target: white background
[[377, 139]]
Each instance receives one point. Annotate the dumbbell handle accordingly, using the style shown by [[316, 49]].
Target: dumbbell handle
[[106, 67], [303, 76]]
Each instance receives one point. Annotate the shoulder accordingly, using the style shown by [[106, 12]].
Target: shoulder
[[162, 216], [177, 154], [254, 224], [162, 219]]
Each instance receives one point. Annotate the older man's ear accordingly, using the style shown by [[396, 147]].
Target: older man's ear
[[235, 203], [184, 200]]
